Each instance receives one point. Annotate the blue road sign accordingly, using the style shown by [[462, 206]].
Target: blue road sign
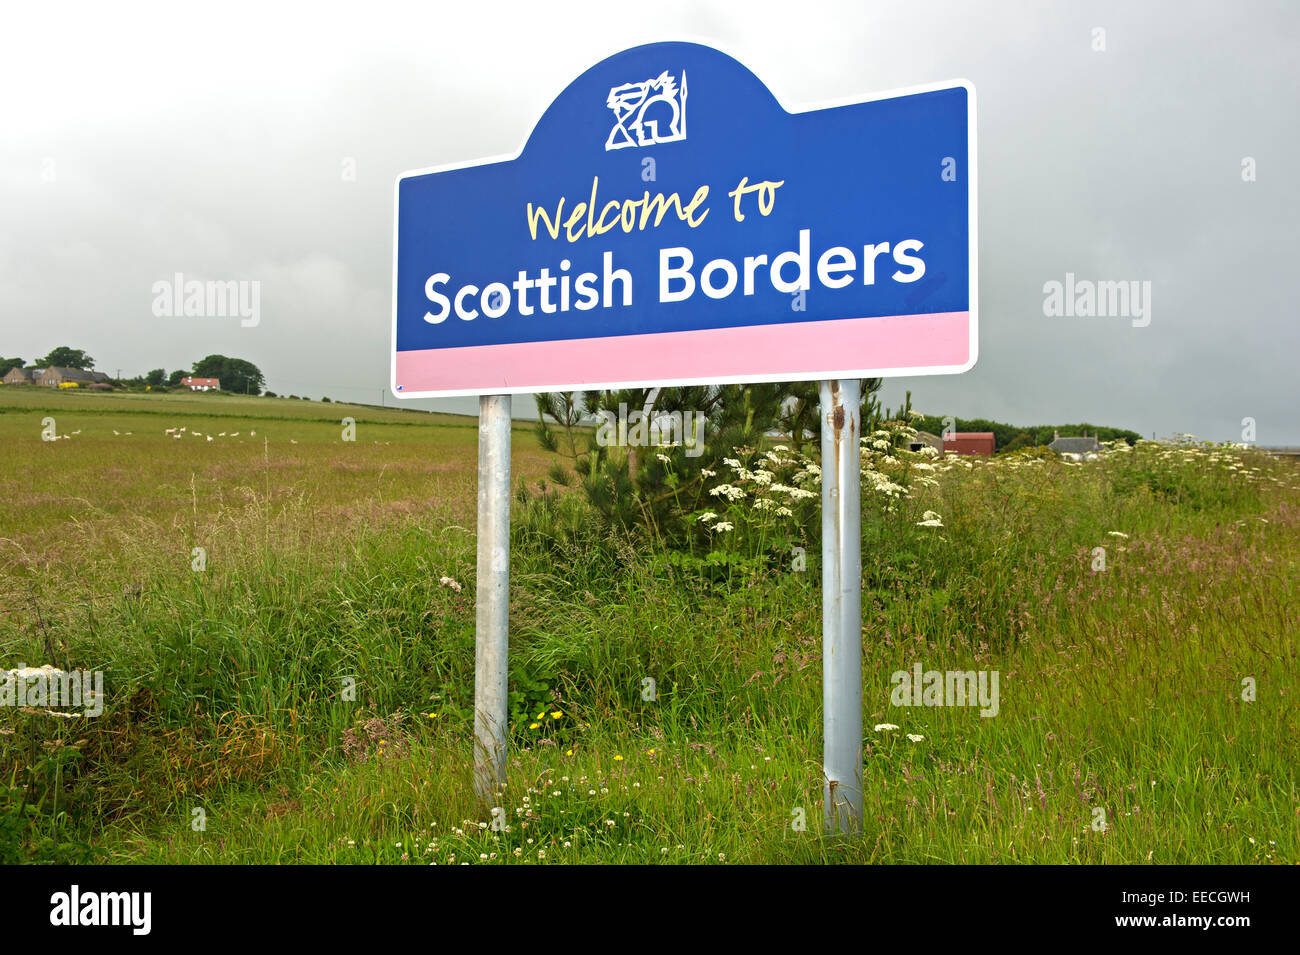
[[668, 221]]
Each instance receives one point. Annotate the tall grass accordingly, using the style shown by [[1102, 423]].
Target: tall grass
[[311, 690]]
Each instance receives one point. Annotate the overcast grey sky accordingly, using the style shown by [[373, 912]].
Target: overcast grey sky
[[138, 141]]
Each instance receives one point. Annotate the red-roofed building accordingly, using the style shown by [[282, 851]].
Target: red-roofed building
[[202, 384], [969, 442]]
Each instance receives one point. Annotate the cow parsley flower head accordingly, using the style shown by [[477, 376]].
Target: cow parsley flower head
[[882, 484], [729, 491]]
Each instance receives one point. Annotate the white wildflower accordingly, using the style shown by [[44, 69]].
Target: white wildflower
[[729, 491]]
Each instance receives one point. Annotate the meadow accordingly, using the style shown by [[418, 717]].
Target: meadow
[[307, 695]]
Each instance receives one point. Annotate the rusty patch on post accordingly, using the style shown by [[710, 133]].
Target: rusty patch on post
[[837, 421]]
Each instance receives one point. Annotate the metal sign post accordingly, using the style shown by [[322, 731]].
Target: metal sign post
[[842, 605], [492, 603]]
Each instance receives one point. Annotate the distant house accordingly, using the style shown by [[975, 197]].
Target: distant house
[[969, 442], [22, 376], [201, 384], [1076, 449], [54, 377], [926, 439]]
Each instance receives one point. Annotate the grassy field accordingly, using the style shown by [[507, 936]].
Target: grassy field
[[1122, 734]]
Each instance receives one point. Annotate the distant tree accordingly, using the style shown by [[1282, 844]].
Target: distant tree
[[65, 357], [235, 374], [1023, 440], [156, 377], [9, 364], [175, 377]]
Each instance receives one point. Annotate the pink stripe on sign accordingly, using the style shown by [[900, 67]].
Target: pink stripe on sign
[[940, 339]]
